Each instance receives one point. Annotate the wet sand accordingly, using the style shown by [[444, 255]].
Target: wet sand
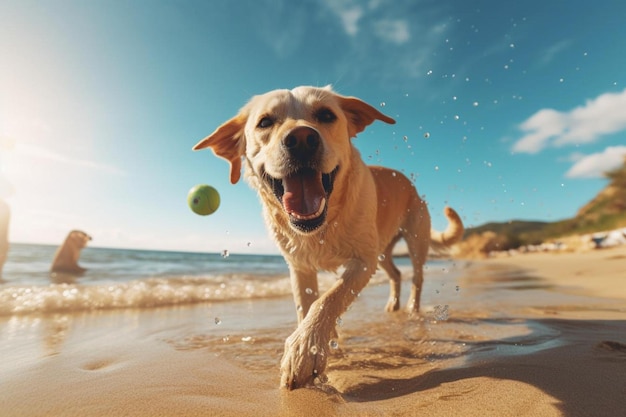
[[532, 335]]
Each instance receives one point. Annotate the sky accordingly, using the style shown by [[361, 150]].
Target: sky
[[504, 110]]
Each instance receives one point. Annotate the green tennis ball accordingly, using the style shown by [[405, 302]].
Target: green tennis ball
[[203, 199]]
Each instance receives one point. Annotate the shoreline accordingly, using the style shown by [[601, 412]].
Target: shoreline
[[575, 274], [533, 334]]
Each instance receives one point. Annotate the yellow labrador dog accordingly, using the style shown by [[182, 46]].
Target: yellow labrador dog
[[326, 208]]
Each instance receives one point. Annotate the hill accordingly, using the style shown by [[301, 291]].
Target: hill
[[606, 211]]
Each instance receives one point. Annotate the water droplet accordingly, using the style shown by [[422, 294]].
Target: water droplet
[[321, 241], [249, 244], [458, 288], [475, 104], [430, 72], [246, 339], [405, 138], [225, 339], [313, 350], [436, 168], [339, 321], [426, 135], [441, 313], [456, 117], [393, 174], [383, 104], [225, 253], [308, 291], [381, 257], [218, 321], [333, 344]]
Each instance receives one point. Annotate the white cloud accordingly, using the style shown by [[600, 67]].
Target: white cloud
[[349, 14], [550, 53], [595, 165], [350, 19], [541, 126], [382, 28], [585, 124], [395, 31]]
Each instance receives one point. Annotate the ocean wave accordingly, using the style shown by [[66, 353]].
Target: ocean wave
[[145, 293], [153, 292]]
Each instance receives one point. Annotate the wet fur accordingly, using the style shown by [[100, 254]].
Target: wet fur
[[369, 211]]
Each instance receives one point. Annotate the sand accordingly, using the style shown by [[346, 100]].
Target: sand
[[530, 335]]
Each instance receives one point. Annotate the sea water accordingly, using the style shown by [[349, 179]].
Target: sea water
[[126, 278]]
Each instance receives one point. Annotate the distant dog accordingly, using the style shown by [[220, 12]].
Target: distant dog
[[326, 208], [66, 257]]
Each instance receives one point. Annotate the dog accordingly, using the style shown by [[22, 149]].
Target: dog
[[66, 256], [326, 209]]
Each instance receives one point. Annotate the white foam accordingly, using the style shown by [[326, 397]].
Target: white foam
[[147, 293], [155, 292]]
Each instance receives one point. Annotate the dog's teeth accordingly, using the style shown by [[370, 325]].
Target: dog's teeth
[[310, 216]]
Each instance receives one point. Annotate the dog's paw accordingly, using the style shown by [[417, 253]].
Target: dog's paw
[[392, 305], [413, 306], [304, 359]]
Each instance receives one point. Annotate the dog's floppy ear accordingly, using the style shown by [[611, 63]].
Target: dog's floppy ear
[[228, 142], [360, 114]]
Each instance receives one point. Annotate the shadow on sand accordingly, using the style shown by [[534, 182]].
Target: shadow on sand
[[582, 364]]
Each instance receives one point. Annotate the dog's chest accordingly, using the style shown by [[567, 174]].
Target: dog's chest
[[316, 252]]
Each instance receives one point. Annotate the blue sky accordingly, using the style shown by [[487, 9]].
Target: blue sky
[[505, 110]]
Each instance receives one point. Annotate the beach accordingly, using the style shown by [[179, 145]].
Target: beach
[[541, 334]]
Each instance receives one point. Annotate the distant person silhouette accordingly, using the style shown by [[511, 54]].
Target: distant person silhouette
[[66, 257], [5, 214]]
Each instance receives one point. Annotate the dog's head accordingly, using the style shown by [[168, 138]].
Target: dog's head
[[296, 142], [78, 239]]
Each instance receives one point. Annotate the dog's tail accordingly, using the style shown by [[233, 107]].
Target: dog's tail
[[452, 234]]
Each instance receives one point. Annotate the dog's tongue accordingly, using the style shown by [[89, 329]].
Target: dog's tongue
[[304, 193]]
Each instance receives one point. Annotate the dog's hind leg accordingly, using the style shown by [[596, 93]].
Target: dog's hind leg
[[417, 236], [386, 263]]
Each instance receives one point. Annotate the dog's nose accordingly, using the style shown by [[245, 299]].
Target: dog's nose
[[302, 142]]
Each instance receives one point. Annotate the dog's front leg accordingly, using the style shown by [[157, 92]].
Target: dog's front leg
[[304, 289], [306, 350]]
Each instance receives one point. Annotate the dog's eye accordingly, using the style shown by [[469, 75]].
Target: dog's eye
[[325, 115], [265, 122]]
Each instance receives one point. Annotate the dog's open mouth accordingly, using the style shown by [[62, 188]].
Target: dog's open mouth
[[304, 196]]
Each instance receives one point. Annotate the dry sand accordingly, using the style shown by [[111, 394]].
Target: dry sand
[[532, 335]]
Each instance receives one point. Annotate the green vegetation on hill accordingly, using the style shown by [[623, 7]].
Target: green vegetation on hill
[[606, 211]]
